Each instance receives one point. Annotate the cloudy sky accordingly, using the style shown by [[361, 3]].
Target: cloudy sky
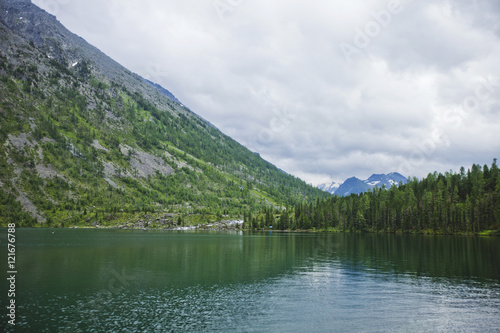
[[324, 89]]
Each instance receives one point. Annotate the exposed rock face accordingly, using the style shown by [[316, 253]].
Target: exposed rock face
[[21, 141], [83, 139], [97, 145], [147, 164], [35, 25], [28, 205], [46, 171]]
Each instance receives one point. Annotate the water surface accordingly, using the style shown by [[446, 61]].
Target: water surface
[[156, 281]]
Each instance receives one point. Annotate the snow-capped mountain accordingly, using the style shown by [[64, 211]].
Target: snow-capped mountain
[[329, 187], [357, 186], [352, 185], [388, 180]]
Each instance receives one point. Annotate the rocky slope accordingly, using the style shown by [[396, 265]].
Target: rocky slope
[[83, 141]]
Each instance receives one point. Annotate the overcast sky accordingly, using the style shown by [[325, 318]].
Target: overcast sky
[[324, 89]]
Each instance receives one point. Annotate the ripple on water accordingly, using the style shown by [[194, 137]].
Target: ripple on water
[[318, 300]]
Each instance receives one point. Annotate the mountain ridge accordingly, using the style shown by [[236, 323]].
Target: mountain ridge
[[329, 187], [84, 141], [28, 20], [354, 185]]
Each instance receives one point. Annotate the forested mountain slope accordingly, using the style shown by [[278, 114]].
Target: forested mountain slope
[[83, 141], [467, 202]]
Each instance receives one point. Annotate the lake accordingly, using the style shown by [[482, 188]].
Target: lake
[[72, 280]]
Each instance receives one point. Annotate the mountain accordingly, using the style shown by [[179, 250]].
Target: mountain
[[329, 187], [388, 180], [164, 91], [418, 206], [350, 186], [84, 141], [354, 185]]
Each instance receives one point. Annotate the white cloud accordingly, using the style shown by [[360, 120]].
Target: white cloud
[[273, 76]]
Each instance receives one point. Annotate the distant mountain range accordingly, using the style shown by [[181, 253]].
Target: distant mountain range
[[329, 187], [357, 186]]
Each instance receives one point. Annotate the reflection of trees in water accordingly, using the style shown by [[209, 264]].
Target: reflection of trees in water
[[167, 259], [156, 278], [419, 255], [85, 258]]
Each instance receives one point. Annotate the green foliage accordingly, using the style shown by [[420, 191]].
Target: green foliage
[[450, 203], [63, 110]]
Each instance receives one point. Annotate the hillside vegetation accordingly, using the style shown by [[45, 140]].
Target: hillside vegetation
[[85, 142], [467, 202]]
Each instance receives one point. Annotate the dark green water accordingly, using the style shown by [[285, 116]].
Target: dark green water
[[154, 281]]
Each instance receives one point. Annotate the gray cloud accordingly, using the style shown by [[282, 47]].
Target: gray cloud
[[274, 76]]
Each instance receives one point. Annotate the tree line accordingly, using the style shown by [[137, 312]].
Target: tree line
[[467, 202]]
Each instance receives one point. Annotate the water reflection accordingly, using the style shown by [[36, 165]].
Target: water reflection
[[431, 256], [92, 280], [77, 259]]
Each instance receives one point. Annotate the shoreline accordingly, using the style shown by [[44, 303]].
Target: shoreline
[[236, 225]]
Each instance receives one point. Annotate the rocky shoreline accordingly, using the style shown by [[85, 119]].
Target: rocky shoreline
[[167, 222], [219, 225]]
